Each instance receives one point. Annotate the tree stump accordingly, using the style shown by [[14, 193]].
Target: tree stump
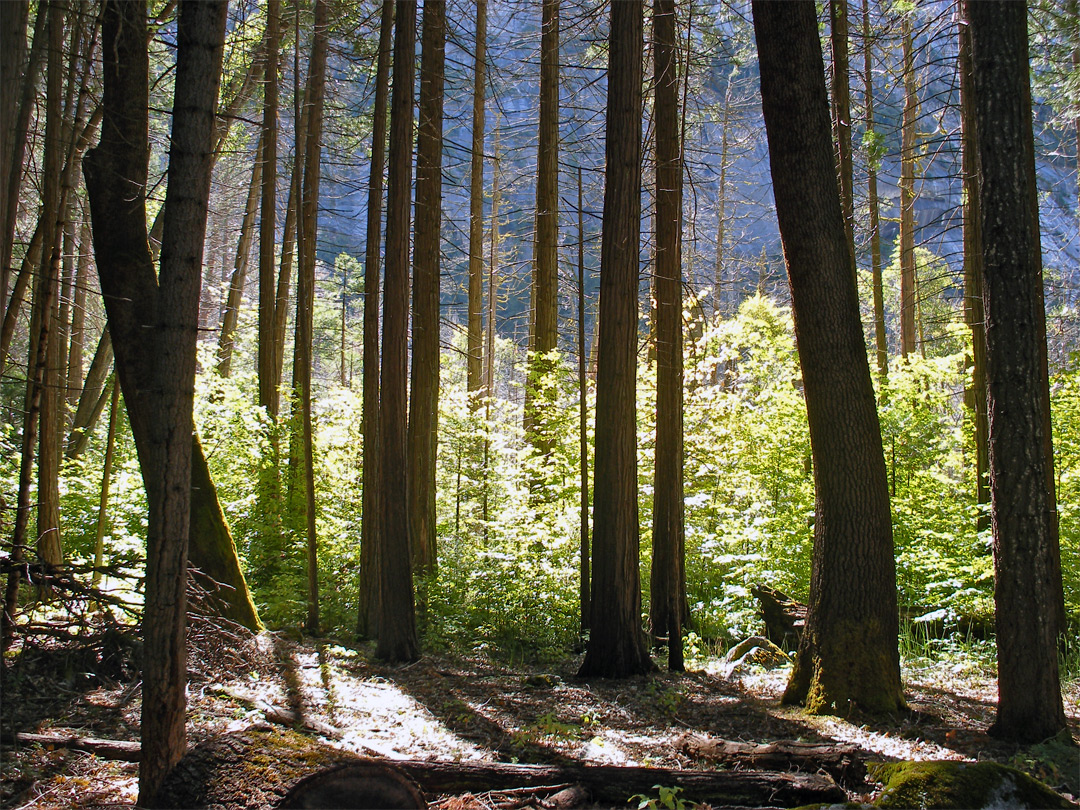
[[784, 617]]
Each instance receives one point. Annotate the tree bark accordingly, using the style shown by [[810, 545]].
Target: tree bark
[[539, 390], [369, 520], [617, 644], [268, 387], [872, 202], [1024, 518], [424, 400], [667, 595], [583, 417], [841, 114], [474, 369], [907, 198], [848, 654]]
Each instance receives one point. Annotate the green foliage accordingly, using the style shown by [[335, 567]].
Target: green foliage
[[666, 798]]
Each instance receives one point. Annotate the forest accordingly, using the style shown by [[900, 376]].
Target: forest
[[540, 404]]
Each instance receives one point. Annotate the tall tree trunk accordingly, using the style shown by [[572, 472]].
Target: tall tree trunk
[[76, 351], [106, 479], [907, 197], [848, 655], [474, 370], [14, 154], [539, 393], [305, 297], [14, 17], [719, 299], [667, 596], [397, 618], [616, 643], [1026, 558], [583, 413], [872, 160], [974, 314], [841, 114], [369, 519], [424, 400], [231, 311]]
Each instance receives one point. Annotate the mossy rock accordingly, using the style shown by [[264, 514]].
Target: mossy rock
[[951, 784]]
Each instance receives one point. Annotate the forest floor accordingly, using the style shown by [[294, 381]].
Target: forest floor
[[464, 709]]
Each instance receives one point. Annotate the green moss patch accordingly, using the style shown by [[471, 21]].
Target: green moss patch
[[984, 785]]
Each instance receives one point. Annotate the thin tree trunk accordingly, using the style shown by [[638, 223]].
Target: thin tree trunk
[[474, 368], [667, 598], [106, 478], [617, 645], [78, 319], [397, 620], [974, 314], [719, 299], [907, 198], [841, 114], [539, 404], [872, 160], [424, 399], [268, 390], [583, 414], [369, 520], [305, 298], [92, 398], [231, 310]]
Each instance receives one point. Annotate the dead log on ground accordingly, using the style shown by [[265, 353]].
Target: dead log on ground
[[122, 750], [256, 770], [839, 760], [784, 617]]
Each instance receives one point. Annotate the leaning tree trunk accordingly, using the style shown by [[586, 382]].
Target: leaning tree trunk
[[848, 654]]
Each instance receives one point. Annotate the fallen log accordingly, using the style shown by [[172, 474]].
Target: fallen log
[[257, 769], [840, 761], [121, 750]]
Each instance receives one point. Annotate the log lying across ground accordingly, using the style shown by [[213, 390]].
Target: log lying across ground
[[259, 769], [123, 750], [840, 761]]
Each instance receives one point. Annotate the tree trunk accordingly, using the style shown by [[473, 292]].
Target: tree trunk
[[424, 400], [872, 160], [92, 399], [14, 17], [974, 314], [369, 525], [305, 298], [617, 644], [268, 387], [397, 620], [841, 114], [474, 371], [848, 654], [583, 415], [1026, 561], [540, 393], [231, 311], [74, 373], [907, 198], [667, 596], [106, 479]]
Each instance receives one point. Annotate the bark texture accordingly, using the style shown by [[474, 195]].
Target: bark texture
[[848, 655], [1028, 580], [474, 370], [617, 646]]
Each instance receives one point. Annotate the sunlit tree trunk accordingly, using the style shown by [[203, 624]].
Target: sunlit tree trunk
[[268, 393], [74, 372], [397, 619], [907, 197], [369, 525], [719, 298], [545, 286], [424, 398], [1027, 576], [617, 645], [872, 160], [474, 369], [106, 480], [667, 597], [92, 398], [848, 655], [583, 414]]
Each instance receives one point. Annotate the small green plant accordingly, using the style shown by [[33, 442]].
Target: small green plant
[[666, 797], [550, 726]]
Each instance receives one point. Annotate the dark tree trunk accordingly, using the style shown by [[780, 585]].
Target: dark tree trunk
[[974, 314], [848, 654], [474, 371], [617, 643], [667, 596], [424, 399], [369, 526], [583, 415], [841, 114], [1024, 518], [397, 620], [539, 394]]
